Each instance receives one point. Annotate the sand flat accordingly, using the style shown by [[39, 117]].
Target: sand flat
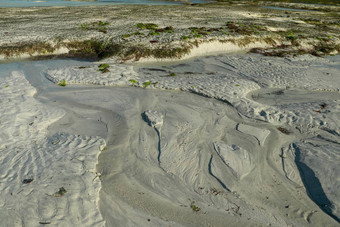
[[169, 151]]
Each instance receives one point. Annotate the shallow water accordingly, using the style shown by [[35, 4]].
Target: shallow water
[[274, 96], [41, 3], [282, 8]]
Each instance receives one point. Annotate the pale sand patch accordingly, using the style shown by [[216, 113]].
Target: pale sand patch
[[258, 133], [171, 167], [52, 161]]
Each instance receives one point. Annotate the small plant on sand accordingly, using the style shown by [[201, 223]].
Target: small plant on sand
[[104, 68], [152, 32], [101, 23], [185, 37], [149, 26], [60, 192], [291, 36], [83, 27], [146, 84], [62, 83], [194, 207], [172, 74], [99, 26], [124, 36], [239, 28], [133, 81]]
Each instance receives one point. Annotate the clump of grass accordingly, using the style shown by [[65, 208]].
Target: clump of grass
[[99, 26], [194, 207], [124, 36], [168, 29], [153, 29], [185, 37], [104, 68], [240, 29], [172, 74], [149, 26], [62, 83], [133, 81], [319, 49], [60, 192], [290, 36], [98, 49], [27, 48], [152, 32], [146, 84]]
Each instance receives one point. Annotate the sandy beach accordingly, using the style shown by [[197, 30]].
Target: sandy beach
[[216, 137]]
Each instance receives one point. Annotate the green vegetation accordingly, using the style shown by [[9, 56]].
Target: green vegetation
[[133, 81], [99, 26], [149, 26], [104, 68], [28, 48], [62, 83], [124, 36], [98, 49], [185, 37], [152, 30], [60, 192], [172, 74], [318, 49], [194, 207], [290, 36], [146, 84]]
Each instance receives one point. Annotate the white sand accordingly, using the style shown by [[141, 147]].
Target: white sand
[[53, 161], [169, 152]]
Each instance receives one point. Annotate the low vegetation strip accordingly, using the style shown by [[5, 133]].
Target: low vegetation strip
[[173, 32]]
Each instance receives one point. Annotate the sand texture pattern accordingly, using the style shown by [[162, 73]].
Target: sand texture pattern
[[247, 146], [44, 178]]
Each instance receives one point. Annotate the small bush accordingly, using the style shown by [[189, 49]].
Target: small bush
[[62, 83]]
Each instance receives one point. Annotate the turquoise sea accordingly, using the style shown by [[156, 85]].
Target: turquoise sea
[[38, 3]]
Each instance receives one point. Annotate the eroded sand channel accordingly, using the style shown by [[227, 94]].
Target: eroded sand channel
[[171, 157], [168, 152]]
